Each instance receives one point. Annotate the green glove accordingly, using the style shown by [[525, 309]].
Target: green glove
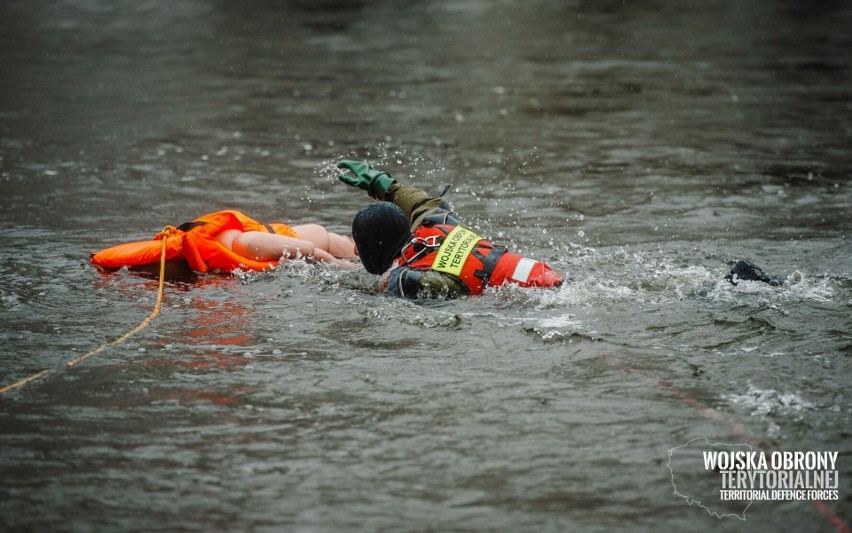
[[363, 176]]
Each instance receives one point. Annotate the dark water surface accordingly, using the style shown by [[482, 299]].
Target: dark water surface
[[641, 147]]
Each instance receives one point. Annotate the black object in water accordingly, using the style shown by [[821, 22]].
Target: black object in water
[[747, 271]]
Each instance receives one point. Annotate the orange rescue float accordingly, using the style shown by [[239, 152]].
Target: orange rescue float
[[196, 243], [477, 263]]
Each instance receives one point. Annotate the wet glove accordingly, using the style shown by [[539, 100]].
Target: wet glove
[[375, 182]]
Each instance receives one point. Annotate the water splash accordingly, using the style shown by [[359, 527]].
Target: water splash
[[797, 287], [763, 402]]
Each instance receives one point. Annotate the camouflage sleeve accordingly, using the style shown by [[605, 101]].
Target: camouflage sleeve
[[410, 283], [415, 203]]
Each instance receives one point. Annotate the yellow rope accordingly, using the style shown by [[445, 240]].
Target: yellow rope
[[23, 382], [168, 230]]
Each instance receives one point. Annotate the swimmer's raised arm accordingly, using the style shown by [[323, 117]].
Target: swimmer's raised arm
[[380, 185]]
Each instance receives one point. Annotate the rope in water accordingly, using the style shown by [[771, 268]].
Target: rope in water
[[168, 230]]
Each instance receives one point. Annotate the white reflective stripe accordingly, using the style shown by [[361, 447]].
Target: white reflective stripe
[[522, 271]]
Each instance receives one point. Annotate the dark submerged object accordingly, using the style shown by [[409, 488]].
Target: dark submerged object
[[747, 271]]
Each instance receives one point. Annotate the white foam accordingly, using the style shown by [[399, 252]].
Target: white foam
[[768, 401]]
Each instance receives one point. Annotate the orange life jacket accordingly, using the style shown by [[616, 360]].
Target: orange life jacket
[[458, 252], [196, 243]]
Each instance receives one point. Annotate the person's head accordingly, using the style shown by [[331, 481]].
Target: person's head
[[380, 230]]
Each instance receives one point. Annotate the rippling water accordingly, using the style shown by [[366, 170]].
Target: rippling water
[[639, 147]]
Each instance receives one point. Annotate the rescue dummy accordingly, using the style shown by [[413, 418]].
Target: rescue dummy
[[417, 245], [229, 240]]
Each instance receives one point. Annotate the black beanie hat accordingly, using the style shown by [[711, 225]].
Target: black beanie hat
[[380, 230]]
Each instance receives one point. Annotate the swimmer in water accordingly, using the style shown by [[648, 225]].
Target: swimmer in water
[[416, 244], [419, 248]]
